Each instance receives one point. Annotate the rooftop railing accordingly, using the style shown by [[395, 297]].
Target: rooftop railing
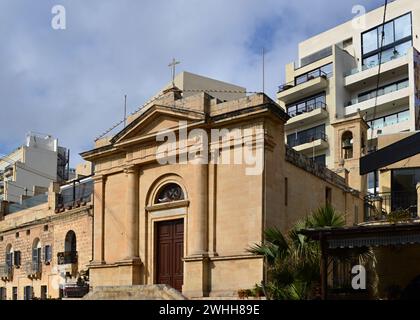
[[310, 76]]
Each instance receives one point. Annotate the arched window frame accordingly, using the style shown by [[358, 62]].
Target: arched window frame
[[170, 192], [347, 145]]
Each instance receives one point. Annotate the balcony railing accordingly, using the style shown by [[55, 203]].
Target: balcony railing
[[33, 269], [70, 257], [385, 59], [379, 206], [307, 139], [307, 108], [389, 89], [75, 290], [308, 77], [6, 272]]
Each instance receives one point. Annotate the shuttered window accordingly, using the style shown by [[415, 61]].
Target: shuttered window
[[47, 254], [17, 258]]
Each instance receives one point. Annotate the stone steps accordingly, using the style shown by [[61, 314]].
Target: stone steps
[[137, 292]]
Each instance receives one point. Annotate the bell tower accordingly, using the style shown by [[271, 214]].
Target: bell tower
[[350, 145]]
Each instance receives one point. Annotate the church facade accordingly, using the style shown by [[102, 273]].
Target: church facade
[[191, 183]]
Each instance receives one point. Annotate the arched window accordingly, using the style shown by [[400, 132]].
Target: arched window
[[36, 255], [69, 256], [170, 192], [9, 256], [347, 145], [70, 242]]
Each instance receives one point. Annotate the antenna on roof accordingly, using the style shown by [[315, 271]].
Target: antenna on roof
[[125, 110], [263, 70]]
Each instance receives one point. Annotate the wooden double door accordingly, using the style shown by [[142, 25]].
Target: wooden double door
[[169, 253]]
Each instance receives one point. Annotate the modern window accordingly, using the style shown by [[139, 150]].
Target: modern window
[[395, 43], [321, 54], [306, 105], [307, 136], [389, 120], [324, 71], [14, 293], [371, 94]]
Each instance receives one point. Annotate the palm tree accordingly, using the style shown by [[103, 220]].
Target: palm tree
[[293, 261]]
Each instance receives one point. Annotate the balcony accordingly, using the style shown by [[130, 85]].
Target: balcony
[[379, 206], [386, 100], [402, 126], [307, 115], [308, 143], [6, 272], [8, 172], [67, 262], [388, 64], [34, 270], [293, 91], [70, 257]]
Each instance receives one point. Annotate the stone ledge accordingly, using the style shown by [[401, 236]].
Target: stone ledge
[[135, 292]]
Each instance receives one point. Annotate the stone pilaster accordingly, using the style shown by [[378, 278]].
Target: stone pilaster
[[132, 213], [199, 213], [99, 182]]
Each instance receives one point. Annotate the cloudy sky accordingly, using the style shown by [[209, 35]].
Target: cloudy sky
[[71, 83]]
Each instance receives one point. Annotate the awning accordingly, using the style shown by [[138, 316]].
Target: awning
[[367, 235]]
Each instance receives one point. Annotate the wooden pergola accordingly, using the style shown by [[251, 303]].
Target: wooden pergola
[[379, 235]]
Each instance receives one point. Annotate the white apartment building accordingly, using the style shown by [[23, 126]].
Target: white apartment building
[[337, 77], [29, 170]]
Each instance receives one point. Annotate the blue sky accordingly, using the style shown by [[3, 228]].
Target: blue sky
[[71, 83]]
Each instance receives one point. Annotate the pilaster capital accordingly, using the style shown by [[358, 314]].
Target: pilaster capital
[[133, 169], [100, 178]]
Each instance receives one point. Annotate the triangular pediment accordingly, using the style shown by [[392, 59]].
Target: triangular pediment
[[155, 120]]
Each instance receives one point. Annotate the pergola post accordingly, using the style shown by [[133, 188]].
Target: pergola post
[[418, 199], [324, 268]]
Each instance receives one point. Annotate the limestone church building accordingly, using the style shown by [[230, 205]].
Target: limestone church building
[[189, 225]]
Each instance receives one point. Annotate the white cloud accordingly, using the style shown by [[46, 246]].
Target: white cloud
[[71, 83]]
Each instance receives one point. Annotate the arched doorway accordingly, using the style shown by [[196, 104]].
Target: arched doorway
[[169, 240]]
